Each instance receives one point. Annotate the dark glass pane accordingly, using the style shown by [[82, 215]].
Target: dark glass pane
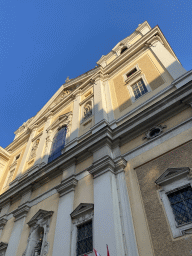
[[181, 203], [58, 144], [84, 239]]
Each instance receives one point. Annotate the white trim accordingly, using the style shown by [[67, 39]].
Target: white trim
[[179, 184]]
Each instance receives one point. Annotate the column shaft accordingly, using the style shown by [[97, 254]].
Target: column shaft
[[75, 118]]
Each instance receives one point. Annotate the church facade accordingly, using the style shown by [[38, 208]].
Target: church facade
[[107, 160]]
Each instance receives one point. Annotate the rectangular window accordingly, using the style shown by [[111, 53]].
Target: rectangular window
[[181, 203], [139, 89], [84, 239]]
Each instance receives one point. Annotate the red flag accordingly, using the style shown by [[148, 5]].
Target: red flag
[[85, 255], [96, 253], [108, 251]]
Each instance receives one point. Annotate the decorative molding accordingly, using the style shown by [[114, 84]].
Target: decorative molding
[[21, 211], [82, 209], [3, 248], [171, 174], [102, 166], [67, 185], [40, 215], [159, 128], [60, 121]]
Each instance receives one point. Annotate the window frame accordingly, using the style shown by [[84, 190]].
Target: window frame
[[133, 79], [177, 230]]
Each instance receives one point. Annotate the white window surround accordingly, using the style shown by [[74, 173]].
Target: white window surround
[[82, 214], [134, 78], [177, 182]]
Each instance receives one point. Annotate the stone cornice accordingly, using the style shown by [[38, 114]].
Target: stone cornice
[[3, 246], [4, 153], [21, 211], [67, 185], [134, 126], [137, 46], [3, 221]]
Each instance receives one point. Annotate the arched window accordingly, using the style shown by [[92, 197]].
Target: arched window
[[124, 49], [58, 144]]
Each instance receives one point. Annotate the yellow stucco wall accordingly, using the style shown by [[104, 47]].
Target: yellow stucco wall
[[49, 185], [20, 151], [84, 191], [170, 123], [83, 165], [157, 77]]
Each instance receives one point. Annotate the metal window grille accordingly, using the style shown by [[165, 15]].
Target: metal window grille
[[139, 89], [181, 203], [84, 239], [58, 144]]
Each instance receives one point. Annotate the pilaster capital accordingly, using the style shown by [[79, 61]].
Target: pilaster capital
[[67, 185], [153, 41], [101, 166], [21, 211], [120, 164]]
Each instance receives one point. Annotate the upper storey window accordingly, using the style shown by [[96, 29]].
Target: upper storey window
[[58, 144], [139, 89], [136, 83]]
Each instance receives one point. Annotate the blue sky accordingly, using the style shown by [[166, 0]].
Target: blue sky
[[44, 41]]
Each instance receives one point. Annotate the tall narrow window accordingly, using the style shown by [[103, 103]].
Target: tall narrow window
[[58, 144], [139, 89], [84, 238]]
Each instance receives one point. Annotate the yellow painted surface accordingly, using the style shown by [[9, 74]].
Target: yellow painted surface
[[83, 165], [86, 94], [49, 204], [170, 123], [6, 233], [84, 191], [157, 77], [20, 151], [135, 39], [46, 187], [14, 206], [63, 111]]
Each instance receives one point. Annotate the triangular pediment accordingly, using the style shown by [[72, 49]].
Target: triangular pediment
[[171, 174], [41, 214], [82, 208]]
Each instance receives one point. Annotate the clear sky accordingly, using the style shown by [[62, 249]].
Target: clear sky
[[44, 41]]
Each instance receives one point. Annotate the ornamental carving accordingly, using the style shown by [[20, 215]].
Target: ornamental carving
[[37, 244], [34, 149], [154, 132], [87, 111]]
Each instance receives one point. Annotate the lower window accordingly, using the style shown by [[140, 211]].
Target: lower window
[[181, 203], [84, 238]]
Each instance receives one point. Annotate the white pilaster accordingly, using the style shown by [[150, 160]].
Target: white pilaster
[[107, 221], [125, 208], [166, 58], [76, 117], [24, 158], [20, 215], [99, 101], [110, 112], [62, 239], [42, 143]]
